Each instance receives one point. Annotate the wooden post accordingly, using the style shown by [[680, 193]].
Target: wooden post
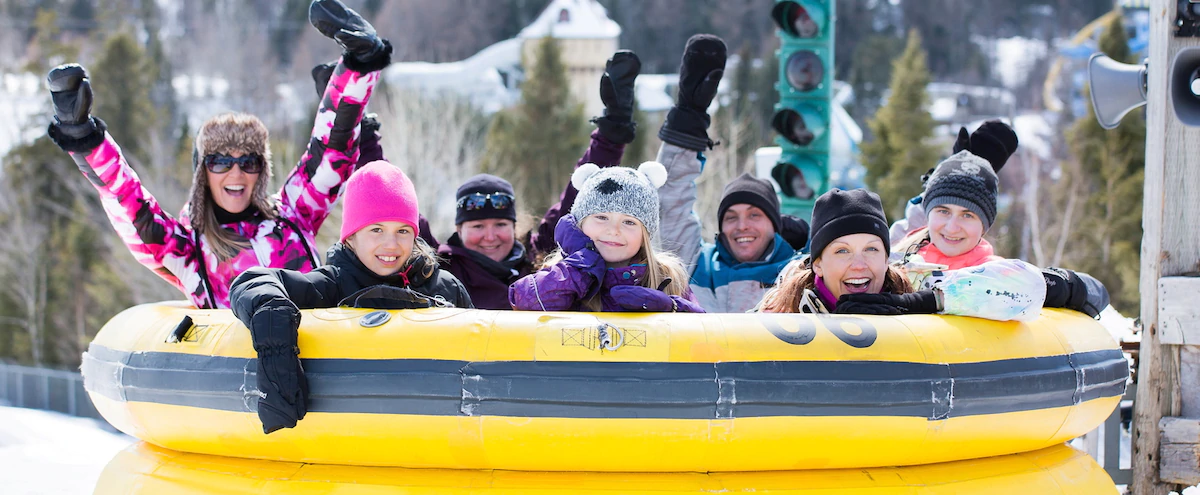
[[1170, 247]]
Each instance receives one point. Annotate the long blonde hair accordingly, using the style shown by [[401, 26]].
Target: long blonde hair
[[660, 266], [798, 275]]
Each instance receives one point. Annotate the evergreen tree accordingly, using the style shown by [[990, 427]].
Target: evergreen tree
[[899, 152], [535, 144], [122, 78], [1106, 238]]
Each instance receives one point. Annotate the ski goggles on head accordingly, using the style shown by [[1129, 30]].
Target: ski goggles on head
[[219, 163], [477, 201]]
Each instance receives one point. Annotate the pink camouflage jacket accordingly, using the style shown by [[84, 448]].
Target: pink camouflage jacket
[[168, 245]]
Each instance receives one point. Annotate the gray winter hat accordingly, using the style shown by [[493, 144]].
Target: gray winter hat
[[964, 180], [620, 190]]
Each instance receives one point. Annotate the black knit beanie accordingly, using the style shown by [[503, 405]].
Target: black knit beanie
[[964, 180], [748, 189], [838, 213], [484, 184]]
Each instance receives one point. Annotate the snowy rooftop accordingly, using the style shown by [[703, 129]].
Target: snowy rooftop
[[572, 19]]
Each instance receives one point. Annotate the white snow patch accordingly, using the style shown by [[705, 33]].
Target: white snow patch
[[50, 453]]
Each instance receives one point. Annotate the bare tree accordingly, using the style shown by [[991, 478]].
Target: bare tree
[[438, 141], [22, 243]]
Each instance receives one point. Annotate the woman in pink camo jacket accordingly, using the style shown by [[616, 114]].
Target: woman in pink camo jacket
[[231, 223]]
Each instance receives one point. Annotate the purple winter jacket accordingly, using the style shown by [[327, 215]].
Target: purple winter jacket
[[564, 287]]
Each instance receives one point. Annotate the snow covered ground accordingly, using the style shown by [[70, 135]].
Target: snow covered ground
[[50, 453]]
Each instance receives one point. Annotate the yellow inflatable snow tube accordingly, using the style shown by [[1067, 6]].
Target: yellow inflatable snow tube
[[145, 469], [528, 391]]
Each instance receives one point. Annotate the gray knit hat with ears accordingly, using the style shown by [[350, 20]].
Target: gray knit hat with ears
[[620, 190]]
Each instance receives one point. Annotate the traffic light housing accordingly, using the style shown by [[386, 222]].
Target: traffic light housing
[[805, 86]]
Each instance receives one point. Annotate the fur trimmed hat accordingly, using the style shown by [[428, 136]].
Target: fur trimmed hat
[[621, 190], [965, 180], [232, 132]]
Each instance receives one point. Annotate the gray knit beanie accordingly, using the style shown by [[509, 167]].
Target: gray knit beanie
[[964, 180], [621, 190]]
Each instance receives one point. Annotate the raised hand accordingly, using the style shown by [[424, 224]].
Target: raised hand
[[617, 92], [71, 93], [342, 24]]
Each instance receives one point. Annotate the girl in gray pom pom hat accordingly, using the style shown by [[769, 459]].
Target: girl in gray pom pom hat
[[606, 259]]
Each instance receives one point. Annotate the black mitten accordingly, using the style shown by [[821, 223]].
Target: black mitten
[[700, 73], [71, 93], [794, 230], [282, 386], [993, 141], [342, 24], [617, 92], [920, 303], [321, 74]]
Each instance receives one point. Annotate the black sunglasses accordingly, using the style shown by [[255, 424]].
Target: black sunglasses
[[476, 201], [250, 163]]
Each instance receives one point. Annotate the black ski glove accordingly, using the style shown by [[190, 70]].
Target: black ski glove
[[700, 73], [71, 92], [342, 24], [917, 303], [616, 91], [1073, 290], [282, 386], [794, 230]]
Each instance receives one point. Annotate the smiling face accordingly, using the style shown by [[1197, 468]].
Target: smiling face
[[954, 229], [853, 264], [491, 237], [748, 232], [617, 236], [232, 190], [383, 247]]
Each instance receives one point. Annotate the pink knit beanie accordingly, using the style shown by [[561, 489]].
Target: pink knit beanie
[[378, 192]]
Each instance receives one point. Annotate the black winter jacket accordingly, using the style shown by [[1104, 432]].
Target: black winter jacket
[[268, 301]]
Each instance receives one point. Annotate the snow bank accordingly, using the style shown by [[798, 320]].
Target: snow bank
[[50, 453]]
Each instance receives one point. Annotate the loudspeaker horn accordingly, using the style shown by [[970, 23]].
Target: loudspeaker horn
[[1116, 88], [1185, 86]]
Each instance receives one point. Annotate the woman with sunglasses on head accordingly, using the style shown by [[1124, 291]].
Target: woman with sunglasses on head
[[230, 223]]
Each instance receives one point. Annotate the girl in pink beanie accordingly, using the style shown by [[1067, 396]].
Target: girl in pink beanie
[[379, 263]]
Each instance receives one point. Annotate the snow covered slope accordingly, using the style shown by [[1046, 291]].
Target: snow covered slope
[[50, 453]]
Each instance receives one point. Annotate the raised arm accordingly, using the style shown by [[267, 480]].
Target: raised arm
[[614, 130], [157, 240], [332, 154]]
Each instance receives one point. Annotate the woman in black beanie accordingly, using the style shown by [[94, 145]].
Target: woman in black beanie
[[849, 256]]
